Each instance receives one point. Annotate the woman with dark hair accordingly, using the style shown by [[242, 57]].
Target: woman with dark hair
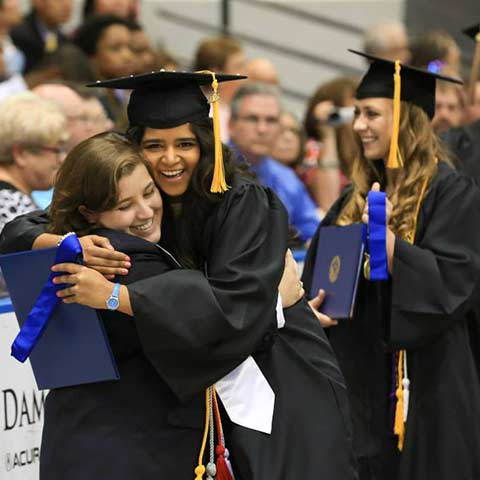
[[121, 8], [105, 39], [201, 323], [330, 142], [409, 369]]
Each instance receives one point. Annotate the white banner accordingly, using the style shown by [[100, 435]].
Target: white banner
[[21, 410]]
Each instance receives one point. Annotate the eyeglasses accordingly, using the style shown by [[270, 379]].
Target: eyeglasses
[[94, 119], [295, 130], [271, 121], [59, 151]]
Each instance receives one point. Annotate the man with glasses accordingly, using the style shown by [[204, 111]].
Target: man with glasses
[[254, 127], [85, 117]]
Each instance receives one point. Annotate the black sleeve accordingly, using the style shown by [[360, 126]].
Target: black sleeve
[[433, 281], [195, 328], [19, 234]]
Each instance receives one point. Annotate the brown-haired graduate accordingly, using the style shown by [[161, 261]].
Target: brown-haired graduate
[[405, 353], [282, 396]]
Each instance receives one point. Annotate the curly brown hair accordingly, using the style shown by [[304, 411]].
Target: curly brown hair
[[421, 150]]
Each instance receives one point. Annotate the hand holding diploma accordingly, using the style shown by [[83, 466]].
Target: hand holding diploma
[[325, 320]]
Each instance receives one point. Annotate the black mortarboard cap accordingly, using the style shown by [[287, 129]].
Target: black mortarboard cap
[[165, 99], [417, 85], [472, 31]]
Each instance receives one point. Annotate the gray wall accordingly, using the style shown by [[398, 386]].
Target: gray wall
[[308, 49], [311, 46]]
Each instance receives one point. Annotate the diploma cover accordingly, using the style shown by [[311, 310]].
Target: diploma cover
[[74, 348], [337, 268]]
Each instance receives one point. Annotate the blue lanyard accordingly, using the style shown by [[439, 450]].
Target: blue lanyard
[[377, 235], [37, 320]]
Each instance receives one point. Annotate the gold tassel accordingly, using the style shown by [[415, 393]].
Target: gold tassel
[[219, 184], [399, 427], [394, 157], [200, 468]]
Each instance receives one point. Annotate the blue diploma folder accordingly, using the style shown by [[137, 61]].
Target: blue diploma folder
[[337, 268], [74, 348]]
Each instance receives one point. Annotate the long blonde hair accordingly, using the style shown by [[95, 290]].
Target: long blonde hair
[[420, 150]]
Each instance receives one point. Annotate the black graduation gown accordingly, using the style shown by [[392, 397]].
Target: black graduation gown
[[209, 323], [423, 309], [193, 330], [464, 144], [126, 429]]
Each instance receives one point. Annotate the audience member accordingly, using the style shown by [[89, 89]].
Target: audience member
[[163, 59], [32, 146], [120, 8], [106, 41], [472, 109], [289, 146], [74, 64], [222, 55], [67, 63], [81, 124], [142, 49], [464, 141], [449, 106], [94, 115], [85, 117], [13, 58], [331, 145], [39, 32], [436, 46], [387, 40], [261, 70], [289, 149], [254, 126]]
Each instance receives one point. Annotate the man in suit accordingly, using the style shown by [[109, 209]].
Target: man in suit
[[39, 33]]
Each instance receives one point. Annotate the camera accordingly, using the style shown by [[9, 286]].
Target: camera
[[340, 116]]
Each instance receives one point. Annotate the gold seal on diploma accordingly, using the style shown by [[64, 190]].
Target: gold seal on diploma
[[334, 270]]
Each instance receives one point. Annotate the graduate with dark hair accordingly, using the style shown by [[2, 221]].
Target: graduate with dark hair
[[197, 324], [406, 356]]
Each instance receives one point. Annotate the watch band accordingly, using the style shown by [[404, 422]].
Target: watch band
[[113, 302]]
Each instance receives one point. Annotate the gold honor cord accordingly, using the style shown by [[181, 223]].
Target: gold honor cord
[[219, 184], [394, 158], [200, 468], [403, 383], [474, 71]]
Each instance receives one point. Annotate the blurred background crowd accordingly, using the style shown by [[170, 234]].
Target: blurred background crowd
[[291, 120]]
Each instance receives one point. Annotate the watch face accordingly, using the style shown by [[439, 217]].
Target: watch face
[[112, 303]]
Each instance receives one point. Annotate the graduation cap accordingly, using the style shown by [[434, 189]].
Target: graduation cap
[[387, 79], [167, 99], [474, 33]]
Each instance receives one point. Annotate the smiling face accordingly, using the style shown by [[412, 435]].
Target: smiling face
[[373, 124], [256, 127], [287, 147], [448, 109], [38, 165], [138, 210], [114, 57], [174, 153]]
